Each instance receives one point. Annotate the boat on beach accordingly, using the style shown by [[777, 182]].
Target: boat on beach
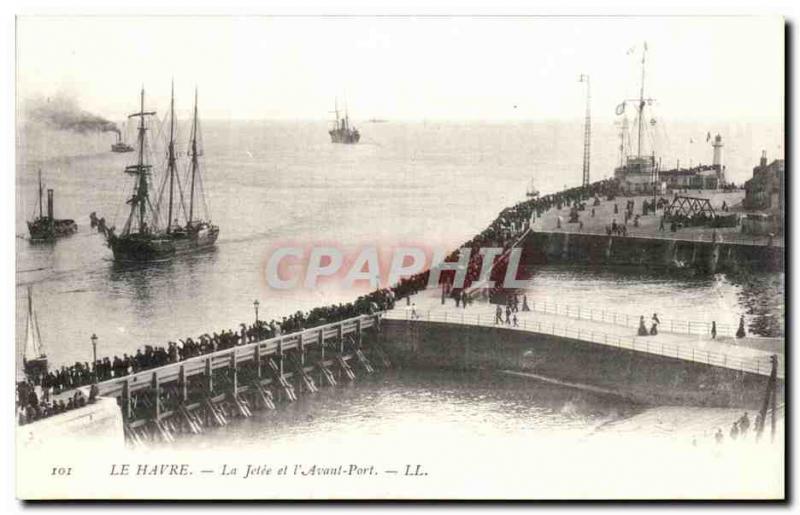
[[146, 236]]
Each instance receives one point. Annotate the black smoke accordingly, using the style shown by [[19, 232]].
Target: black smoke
[[64, 114]]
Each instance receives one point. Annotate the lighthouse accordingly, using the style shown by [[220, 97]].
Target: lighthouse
[[717, 160], [717, 150]]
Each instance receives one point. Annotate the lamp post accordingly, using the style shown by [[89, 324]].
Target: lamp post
[[255, 305], [94, 356]]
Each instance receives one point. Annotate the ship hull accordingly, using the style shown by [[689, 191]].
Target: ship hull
[[135, 248], [343, 136], [46, 230], [35, 368]]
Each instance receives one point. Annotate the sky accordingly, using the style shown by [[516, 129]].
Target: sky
[[492, 68]]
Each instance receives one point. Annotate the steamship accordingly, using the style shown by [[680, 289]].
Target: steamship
[[47, 228], [342, 131], [144, 237], [120, 146]]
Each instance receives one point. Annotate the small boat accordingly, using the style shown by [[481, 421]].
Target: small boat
[[531, 191], [48, 228], [342, 131], [34, 359]]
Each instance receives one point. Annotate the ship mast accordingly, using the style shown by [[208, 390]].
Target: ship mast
[[641, 106], [171, 155], [41, 212], [140, 196], [193, 153], [33, 338]]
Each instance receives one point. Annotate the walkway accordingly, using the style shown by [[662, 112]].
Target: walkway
[[606, 328]]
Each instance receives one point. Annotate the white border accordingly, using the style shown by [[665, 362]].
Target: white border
[[788, 8]]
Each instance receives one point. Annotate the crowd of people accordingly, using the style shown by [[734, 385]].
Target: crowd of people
[[503, 232], [30, 408]]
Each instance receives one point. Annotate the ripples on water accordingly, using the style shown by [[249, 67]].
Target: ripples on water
[[400, 404]]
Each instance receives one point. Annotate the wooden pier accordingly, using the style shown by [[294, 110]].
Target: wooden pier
[[206, 391]]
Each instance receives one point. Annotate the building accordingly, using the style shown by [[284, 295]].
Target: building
[[764, 196], [765, 191], [641, 174], [701, 177], [637, 175]]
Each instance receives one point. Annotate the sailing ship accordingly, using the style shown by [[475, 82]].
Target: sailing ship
[[34, 360], [342, 131], [144, 236], [46, 228], [531, 191]]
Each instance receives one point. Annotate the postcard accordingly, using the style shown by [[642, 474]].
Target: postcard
[[400, 257]]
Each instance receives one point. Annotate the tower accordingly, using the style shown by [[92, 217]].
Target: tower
[[587, 131], [717, 151]]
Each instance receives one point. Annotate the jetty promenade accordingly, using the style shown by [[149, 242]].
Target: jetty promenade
[[679, 339], [649, 225], [206, 391]]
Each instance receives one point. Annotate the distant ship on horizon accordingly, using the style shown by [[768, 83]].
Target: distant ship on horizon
[[145, 237], [342, 131], [120, 146]]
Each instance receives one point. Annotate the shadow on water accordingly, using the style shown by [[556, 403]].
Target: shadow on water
[[143, 280]]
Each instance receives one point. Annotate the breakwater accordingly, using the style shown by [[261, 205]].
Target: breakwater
[[703, 256], [636, 374]]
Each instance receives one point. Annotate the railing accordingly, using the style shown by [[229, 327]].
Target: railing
[[241, 353], [761, 366], [612, 317], [723, 237]]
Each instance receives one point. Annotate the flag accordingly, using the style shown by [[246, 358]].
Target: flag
[[630, 50], [645, 46], [620, 109], [708, 137]]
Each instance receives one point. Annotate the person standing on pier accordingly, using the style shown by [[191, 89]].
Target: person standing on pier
[[713, 330], [741, 333], [734, 431], [744, 424], [498, 316], [525, 306], [642, 328]]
